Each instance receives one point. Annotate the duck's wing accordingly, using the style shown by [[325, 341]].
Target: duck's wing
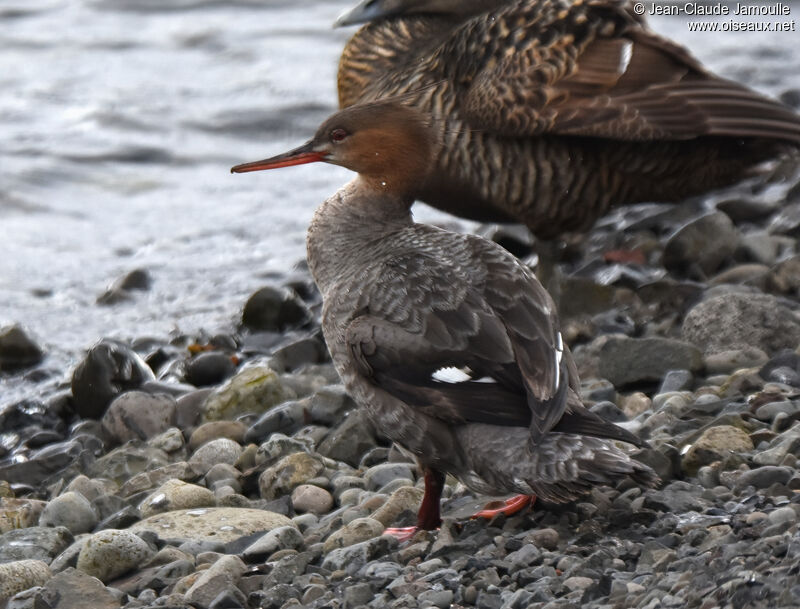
[[594, 70], [460, 349]]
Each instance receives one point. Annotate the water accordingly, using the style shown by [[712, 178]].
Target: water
[[119, 120]]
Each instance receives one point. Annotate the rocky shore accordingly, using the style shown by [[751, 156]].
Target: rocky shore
[[232, 471]]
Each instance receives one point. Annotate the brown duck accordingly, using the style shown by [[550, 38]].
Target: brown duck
[[450, 343], [551, 111]]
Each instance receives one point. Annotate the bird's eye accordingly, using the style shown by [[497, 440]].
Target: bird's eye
[[337, 135]]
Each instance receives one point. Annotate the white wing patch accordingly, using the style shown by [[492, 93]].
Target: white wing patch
[[559, 353], [451, 374]]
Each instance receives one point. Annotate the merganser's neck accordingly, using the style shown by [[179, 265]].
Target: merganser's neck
[[344, 226]]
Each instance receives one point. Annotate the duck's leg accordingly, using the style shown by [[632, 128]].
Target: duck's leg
[[428, 517], [510, 506]]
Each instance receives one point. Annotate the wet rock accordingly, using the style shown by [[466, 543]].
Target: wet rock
[[787, 220], [699, 248], [17, 349], [189, 409], [111, 553], [298, 354], [746, 210], [221, 450], [120, 290], [254, 389], [109, 369], [274, 309], [741, 321], [349, 440], [284, 418], [310, 498], [220, 576], [281, 538], [222, 525], [176, 495], [287, 474], [210, 368], [20, 575], [715, 444], [136, 415], [36, 543], [71, 510], [625, 360], [676, 380]]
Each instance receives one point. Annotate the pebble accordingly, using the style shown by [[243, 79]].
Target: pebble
[[136, 415], [355, 531], [287, 474], [110, 553], [713, 445], [625, 360], [71, 510], [176, 495], [310, 498], [217, 579], [221, 450], [253, 389], [274, 309]]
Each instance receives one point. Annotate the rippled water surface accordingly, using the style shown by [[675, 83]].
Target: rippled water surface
[[119, 120]]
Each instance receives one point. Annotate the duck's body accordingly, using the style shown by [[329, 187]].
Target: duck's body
[[549, 112], [449, 343]]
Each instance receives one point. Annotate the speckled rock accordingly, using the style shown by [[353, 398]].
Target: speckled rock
[[714, 444], [224, 573], [19, 513], [287, 474], [176, 495], [136, 415], [740, 321], [310, 498], [221, 524], [404, 499], [355, 531], [221, 450], [38, 543], [111, 553], [71, 510], [20, 575], [253, 389]]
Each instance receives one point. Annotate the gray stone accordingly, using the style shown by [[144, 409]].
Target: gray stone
[[136, 415], [72, 588], [281, 538], [782, 514], [786, 443], [699, 247], [382, 474], [626, 360], [352, 558], [221, 450], [741, 321], [310, 498], [725, 362], [329, 404], [349, 440], [279, 446], [676, 380], [214, 430], [284, 418], [36, 543], [71, 510], [769, 411], [356, 595], [223, 574], [209, 368], [111, 553], [764, 477], [20, 575]]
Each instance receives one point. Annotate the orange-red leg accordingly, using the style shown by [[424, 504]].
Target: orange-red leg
[[428, 517], [509, 507]]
